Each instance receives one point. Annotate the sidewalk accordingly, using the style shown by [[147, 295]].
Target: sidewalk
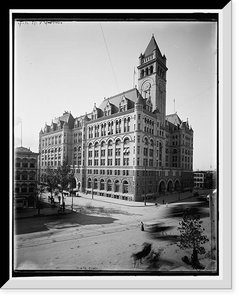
[[85, 199], [170, 198], [115, 201]]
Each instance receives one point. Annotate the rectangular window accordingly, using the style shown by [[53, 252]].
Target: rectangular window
[[126, 161], [118, 151]]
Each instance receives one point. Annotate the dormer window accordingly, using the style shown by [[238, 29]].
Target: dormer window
[[123, 104], [107, 109]]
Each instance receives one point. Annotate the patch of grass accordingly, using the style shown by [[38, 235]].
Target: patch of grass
[[100, 210]]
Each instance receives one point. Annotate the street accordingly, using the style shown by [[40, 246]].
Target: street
[[96, 236]]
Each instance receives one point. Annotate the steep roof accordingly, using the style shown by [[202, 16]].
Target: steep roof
[[151, 47], [65, 117], [174, 119], [132, 94]]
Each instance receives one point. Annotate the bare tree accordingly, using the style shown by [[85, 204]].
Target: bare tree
[[64, 177]]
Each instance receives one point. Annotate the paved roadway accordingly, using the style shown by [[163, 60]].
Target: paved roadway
[[100, 235]]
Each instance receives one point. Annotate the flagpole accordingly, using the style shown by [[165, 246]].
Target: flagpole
[[21, 133], [134, 73]]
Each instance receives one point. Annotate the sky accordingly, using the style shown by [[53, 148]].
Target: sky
[[69, 66]]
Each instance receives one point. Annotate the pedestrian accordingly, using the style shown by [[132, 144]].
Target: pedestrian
[[142, 226], [63, 206]]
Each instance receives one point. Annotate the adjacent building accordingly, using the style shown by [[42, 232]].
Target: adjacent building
[[204, 179], [127, 147], [25, 173]]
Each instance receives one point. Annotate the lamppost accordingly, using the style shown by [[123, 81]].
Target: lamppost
[[71, 179], [92, 193], [179, 193]]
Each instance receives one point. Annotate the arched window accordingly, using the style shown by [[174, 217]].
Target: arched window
[[102, 184], [118, 142], [17, 162], [117, 186], [95, 184], [32, 176], [110, 143], [31, 188], [125, 187], [24, 188], [126, 141], [109, 185]]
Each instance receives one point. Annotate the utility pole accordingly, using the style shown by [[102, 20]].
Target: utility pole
[[213, 219]]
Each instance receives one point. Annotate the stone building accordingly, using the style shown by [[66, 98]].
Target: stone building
[[127, 147], [25, 173]]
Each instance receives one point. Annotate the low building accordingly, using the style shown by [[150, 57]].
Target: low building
[[204, 179], [25, 175]]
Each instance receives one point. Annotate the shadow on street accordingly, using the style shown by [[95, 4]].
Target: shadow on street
[[38, 224]]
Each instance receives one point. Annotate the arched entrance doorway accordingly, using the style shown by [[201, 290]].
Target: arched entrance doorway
[[177, 185], [73, 183], [162, 188], [170, 186]]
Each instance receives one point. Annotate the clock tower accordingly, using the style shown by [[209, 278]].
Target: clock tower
[[152, 77]]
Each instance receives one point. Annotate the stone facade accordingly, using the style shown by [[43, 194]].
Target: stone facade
[[126, 148]]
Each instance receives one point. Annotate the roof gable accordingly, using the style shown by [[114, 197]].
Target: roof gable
[[174, 119], [132, 95]]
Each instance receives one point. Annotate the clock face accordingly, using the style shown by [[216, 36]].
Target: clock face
[[146, 86]]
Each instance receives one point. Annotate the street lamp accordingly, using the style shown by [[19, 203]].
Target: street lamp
[[92, 193], [179, 193], [71, 174]]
